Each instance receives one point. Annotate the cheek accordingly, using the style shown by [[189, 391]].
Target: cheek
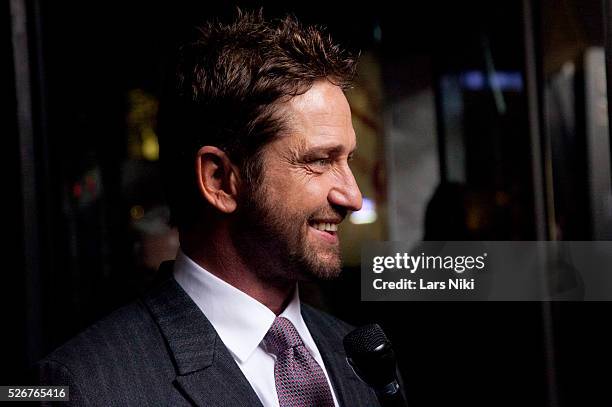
[[316, 189], [303, 197]]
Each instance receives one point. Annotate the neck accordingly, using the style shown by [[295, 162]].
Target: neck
[[218, 255]]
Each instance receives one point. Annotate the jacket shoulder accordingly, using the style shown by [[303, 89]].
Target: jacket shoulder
[[122, 330], [122, 354]]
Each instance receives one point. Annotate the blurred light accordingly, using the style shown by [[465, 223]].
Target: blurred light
[[502, 80], [137, 212], [90, 184], [473, 80], [150, 145], [367, 214], [141, 122], [377, 33], [77, 190]]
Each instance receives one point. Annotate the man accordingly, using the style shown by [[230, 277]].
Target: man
[[256, 143]]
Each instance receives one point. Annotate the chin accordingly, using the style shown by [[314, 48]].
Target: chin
[[323, 268]]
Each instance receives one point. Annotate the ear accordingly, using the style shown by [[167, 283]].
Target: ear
[[217, 178]]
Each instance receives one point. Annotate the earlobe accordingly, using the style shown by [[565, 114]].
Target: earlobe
[[216, 178]]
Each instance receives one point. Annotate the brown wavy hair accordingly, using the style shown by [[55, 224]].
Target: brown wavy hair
[[225, 91]]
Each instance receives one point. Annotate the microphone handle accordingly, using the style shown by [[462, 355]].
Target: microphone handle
[[392, 396]]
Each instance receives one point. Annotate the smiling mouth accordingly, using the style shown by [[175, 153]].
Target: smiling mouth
[[328, 231], [325, 226]]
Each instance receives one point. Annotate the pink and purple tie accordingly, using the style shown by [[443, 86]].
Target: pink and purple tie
[[300, 381]]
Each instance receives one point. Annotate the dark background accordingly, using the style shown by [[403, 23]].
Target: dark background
[[69, 262]]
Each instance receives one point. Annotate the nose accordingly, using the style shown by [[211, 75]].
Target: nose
[[346, 192]]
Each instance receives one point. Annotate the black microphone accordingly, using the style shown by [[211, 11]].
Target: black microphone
[[371, 356]]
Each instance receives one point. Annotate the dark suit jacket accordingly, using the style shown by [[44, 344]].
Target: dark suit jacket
[[161, 350]]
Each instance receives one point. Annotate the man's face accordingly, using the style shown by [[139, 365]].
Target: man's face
[[289, 223]]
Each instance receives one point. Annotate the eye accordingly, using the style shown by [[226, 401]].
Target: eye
[[321, 162]]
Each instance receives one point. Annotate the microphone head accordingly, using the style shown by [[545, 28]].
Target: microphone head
[[371, 355]]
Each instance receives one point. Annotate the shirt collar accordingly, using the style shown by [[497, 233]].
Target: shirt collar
[[240, 321]]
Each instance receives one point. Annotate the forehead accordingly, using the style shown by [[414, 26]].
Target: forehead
[[321, 116]]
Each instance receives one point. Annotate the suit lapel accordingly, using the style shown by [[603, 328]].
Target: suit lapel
[[221, 384], [206, 372], [349, 389]]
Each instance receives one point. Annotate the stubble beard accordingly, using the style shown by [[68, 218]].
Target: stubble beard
[[274, 242]]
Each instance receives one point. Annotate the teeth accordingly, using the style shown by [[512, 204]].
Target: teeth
[[328, 227]]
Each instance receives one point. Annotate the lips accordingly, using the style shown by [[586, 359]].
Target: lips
[[326, 229]]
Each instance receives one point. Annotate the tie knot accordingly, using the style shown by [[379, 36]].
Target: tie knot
[[282, 336]]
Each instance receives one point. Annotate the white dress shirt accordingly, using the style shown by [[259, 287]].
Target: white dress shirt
[[242, 322]]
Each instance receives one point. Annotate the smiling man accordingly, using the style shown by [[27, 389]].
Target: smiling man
[[306, 190], [256, 144]]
